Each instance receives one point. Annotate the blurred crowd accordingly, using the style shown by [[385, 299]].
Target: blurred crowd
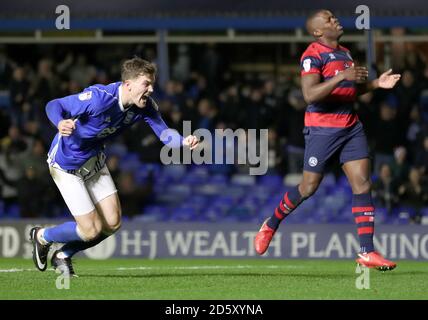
[[212, 97]]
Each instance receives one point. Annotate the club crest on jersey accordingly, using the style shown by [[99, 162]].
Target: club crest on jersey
[[85, 96], [313, 161], [332, 56], [307, 64]]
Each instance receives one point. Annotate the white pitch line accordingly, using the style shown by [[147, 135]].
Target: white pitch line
[[176, 268], [209, 267], [22, 270], [16, 270]]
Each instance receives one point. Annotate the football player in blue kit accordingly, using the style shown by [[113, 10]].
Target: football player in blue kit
[[76, 160]]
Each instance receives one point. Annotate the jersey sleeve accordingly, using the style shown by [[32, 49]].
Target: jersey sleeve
[[69, 107], [91, 101], [168, 136], [310, 63]]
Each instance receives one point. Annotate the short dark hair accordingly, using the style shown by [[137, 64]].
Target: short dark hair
[[309, 19], [132, 68]]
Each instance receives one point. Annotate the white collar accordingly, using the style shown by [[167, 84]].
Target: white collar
[[120, 99]]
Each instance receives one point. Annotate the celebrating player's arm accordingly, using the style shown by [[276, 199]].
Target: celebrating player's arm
[[166, 135], [387, 80], [314, 90], [64, 112]]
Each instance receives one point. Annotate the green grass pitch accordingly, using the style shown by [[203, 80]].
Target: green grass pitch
[[171, 279]]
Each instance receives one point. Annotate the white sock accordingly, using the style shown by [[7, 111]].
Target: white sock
[[41, 238]]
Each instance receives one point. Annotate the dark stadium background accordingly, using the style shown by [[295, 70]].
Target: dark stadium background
[[221, 64]]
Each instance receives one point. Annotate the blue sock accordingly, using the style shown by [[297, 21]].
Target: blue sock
[[71, 248], [62, 233]]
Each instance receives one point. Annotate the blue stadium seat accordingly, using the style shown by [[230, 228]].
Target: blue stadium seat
[[13, 212], [208, 189], [404, 214], [271, 180], [243, 180], [342, 181], [381, 215], [183, 214], [211, 214], [154, 213], [219, 179], [424, 215], [2, 209], [329, 180], [130, 162], [236, 192], [174, 171], [424, 212], [240, 213], [117, 149], [5, 99], [145, 171]]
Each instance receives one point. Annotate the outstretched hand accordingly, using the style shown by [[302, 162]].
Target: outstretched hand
[[191, 142], [388, 80]]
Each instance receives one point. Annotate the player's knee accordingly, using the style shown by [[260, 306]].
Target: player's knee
[[111, 228], [364, 186], [309, 188], [90, 232], [113, 224]]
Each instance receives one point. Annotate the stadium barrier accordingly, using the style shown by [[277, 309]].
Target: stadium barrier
[[229, 240]]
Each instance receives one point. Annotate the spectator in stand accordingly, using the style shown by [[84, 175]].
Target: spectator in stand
[[133, 197], [408, 93], [385, 189], [19, 91], [414, 133], [421, 160], [400, 167], [414, 193], [294, 123], [386, 135]]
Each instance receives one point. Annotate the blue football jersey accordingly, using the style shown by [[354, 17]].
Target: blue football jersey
[[99, 116]]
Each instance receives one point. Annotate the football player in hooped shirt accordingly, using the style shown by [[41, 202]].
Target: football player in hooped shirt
[[76, 160], [330, 83]]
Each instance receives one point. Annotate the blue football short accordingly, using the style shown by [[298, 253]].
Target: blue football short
[[319, 149]]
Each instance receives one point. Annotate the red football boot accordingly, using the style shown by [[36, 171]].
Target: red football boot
[[375, 260], [263, 238]]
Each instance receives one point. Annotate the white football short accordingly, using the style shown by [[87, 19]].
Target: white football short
[[85, 187]]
